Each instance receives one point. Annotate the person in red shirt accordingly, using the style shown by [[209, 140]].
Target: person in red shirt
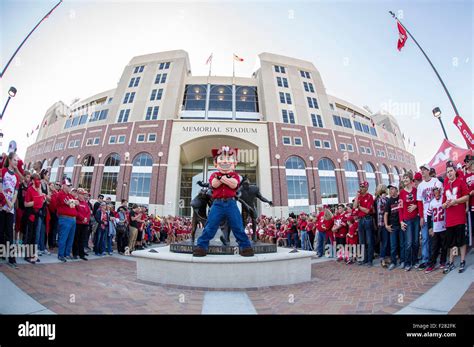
[[53, 224], [410, 215], [352, 239], [364, 202], [9, 185], [34, 200], [324, 226], [311, 231], [67, 212], [82, 224], [321, 233], [469, 178], [224, 183], [302, 223], [340, 230], [455, 197]]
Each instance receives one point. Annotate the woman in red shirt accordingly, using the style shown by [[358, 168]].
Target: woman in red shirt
[[82, 224], [34, 200], [410, 221]]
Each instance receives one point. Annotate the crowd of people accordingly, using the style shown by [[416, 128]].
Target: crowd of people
[[55, 217], [422, 223], [422, 213]]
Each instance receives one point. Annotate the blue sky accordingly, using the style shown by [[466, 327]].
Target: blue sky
[[82, 48]]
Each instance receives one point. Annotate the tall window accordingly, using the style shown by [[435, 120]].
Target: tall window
[[87, 170], [352, 179], [288, 116], [297, 183], [327, 181], [141, 176], [246, 99], [370, 175], [53, 177], [195, 97], [110, 176], [220, 98], [316, 120], [385, 177], [123, 116], [69, 167]]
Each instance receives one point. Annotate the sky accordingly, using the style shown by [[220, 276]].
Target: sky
[[82, 48]]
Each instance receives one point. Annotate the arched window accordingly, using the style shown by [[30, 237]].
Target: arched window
[[110, 176], [195, 97], [352, 179], [327, 181], [370, 175], [45, 164], [53, 177], [220, 98], [69, 167], [396, 176], [140, 181], [385, 177], [297, 183], [85, 179], [246, 99]]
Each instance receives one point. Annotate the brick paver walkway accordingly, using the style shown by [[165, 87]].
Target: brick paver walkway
[[466, 304], [109, 286]]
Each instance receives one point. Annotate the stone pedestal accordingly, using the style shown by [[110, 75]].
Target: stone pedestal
[[161, 266]]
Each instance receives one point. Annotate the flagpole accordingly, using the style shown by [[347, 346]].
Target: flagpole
[[429, 61], [233, 68], [26, 38]]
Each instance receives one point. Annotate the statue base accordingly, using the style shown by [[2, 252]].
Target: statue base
[[159, 265], [216, 248]]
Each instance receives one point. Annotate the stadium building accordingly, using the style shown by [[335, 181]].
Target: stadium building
[[149, 140]]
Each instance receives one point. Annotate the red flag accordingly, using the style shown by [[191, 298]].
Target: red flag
[[465, 131], [237, 58], [402, 36]]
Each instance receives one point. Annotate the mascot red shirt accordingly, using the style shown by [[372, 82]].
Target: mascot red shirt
[[224, 183]]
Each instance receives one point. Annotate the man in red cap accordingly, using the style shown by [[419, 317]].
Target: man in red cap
[[364, 202], [224, 183], [67, 213]]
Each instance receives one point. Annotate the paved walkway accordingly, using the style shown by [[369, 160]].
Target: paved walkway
[[108, 285]]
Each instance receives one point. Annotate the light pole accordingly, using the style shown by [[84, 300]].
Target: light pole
[[277, 157], [311, 159], [11, 94], [342, 180], [160, 154], [437, 114]]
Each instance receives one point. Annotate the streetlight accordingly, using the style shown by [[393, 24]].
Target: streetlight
[[437, 114], [342, 180], [311, 159], [11, 94], [277, 157], [160, 154]]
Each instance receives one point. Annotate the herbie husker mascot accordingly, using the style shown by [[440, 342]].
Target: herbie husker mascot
[[224, 185]]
